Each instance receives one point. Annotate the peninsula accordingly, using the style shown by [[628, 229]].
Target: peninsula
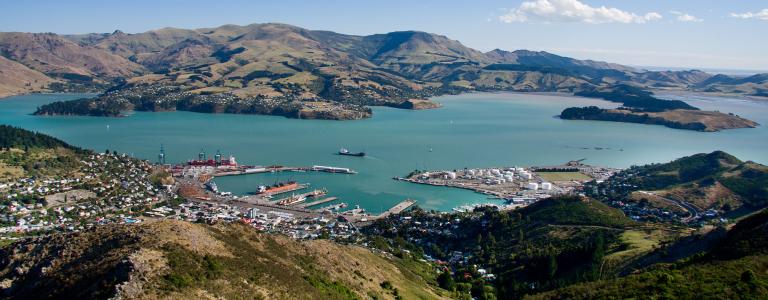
[[640, 106]]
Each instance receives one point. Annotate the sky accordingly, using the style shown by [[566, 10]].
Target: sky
[[703, 34]]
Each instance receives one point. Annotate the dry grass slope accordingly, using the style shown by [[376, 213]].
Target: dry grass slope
[[179, 260]]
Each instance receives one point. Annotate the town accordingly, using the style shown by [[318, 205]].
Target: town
[[115, 188]]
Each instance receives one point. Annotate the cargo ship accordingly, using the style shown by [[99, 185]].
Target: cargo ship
[[278, 187], [344, 151]]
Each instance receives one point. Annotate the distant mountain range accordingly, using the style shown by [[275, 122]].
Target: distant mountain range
[[287, 70]]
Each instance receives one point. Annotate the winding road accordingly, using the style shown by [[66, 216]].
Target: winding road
[[693, 211]]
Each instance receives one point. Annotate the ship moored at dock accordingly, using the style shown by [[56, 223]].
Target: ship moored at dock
[[277, 188]]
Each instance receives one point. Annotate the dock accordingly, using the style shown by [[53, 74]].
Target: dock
[[246, 171], [318, 202], [330, 208], [400, 207]]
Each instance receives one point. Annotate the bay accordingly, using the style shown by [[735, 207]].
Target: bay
[[470, 130]]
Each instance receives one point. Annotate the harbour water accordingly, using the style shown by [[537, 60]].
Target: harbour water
[[470, 130]]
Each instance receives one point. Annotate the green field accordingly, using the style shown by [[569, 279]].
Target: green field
[[562, 176]]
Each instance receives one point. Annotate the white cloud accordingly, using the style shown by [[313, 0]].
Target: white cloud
[[684, 17], [762, 15], [572, 11]]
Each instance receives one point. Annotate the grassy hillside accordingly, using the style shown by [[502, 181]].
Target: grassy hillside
[[737, 268], [715, 180], [59, 57], [16, 78], [25, 153], [550, 244], [174, 259]]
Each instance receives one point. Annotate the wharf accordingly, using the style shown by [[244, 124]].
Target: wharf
[[400, 207], [318, 202], [244, 171], [330, 208], [365, 219]]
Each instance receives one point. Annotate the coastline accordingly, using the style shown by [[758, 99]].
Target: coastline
[[662, 92], [324, 112], [47, 93]]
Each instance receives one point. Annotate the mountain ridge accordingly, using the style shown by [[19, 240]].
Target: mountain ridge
[[275, 68]]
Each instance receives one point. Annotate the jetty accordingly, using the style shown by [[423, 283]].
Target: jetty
[[400, 207], [318, 202], [331, 207], [360, 218]]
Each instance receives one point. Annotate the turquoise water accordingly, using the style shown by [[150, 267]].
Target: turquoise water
[[471, 130]]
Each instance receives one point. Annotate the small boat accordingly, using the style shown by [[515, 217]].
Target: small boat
[[344, 151]]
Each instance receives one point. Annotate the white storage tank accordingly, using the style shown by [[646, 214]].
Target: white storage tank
[[451, 175], [533, 186], [546, 186]]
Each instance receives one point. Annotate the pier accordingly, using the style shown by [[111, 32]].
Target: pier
[[330, 208], [318, 202], [259, 170], [400, 207]]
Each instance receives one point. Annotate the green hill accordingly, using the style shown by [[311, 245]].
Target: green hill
[[575, 211], [12, 137], [552, 243], [715, 180], [737, 268]]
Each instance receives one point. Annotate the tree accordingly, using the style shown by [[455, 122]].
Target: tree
[[748, 276], [445, 281], [491, 240], [551, 266]]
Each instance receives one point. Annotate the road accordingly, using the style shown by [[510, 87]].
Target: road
[[693, 211]]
